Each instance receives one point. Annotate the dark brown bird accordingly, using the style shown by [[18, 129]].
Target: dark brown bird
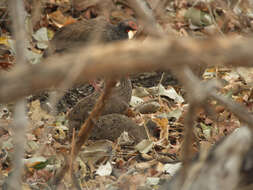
[[118, 102], [82, 32]]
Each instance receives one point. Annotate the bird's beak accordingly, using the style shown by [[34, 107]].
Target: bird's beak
[[134, 27]]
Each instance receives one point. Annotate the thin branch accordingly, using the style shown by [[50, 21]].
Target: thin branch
[[19, 141], [199, 93], [85, 130], [20, 121], [236, 108], [18, 23], [187, 148], [145, 16]]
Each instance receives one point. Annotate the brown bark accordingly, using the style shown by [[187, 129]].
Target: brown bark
[[123, 58]]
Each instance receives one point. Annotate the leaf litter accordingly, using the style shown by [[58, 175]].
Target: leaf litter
[[105, 164]]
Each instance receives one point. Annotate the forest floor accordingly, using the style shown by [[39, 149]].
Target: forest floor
[[158, 103]]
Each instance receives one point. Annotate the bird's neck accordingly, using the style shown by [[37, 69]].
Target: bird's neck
[[119, 33]]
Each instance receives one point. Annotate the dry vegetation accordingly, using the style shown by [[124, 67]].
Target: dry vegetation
[[206, 45]]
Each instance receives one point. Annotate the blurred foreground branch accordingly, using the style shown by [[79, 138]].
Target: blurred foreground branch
[[124, 58], [16, 8], [220, 168]]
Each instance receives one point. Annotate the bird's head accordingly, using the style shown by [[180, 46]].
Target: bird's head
[[128, 25]]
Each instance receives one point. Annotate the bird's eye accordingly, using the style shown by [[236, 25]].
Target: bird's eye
[[132, 25]]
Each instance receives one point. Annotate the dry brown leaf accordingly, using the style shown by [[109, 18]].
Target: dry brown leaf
[[36, 113], [163, 124], [59, 20]]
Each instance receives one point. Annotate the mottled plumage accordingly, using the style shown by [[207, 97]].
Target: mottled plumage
[[118, 102]]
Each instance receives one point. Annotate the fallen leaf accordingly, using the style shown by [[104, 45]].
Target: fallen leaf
[[136, 101], [172, 168], [144, 146], [152, 180], [104, 170]]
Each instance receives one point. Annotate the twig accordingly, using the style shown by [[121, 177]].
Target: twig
[[159, 84], [213, 19], [238, 109], [187, 152], [18, 18], [201, 92], [88, 125], [19, 125], [197, 96], [145, 15], [86, 129], [72, 151]]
